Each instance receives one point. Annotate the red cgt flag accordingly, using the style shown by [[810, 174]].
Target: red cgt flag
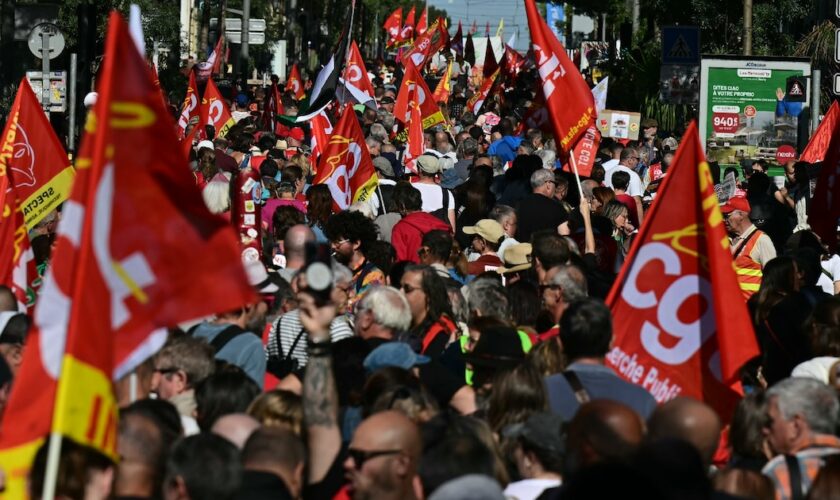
[[407, 31], [416, 140], [444, 86], [825, 206], [568, 98], [414, 89], [684, 328], [273, 107], [817, 147], [423, 23], [295, 84], [190, 108], [345, 164], [475, 102], [585, 152], [322, 129], [355, 71], [137, 251], [214, 111], [393, 26], [426, 45]]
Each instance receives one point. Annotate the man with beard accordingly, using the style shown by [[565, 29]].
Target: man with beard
[[235, 335], [351, 234]]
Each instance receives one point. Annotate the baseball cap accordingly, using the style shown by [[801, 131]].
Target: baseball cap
[[541, 430], [517, 258], [488, 229], [397, 354], [296, 134], [736, 203], [242, 99], [206, 144], [90, 99], [428, 164]]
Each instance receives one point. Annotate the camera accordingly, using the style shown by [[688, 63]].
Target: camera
[[318, 272]]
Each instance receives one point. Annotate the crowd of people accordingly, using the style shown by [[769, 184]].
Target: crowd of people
[[455, 346]]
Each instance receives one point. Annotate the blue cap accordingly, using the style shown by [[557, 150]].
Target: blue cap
[[396, 354], [242, 99]]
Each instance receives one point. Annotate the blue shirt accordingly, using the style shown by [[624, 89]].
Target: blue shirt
[[245, 350], [601, 383]]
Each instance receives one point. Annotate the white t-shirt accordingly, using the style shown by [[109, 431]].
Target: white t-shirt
[[374, 199], [529, 489], [609, 165], [635, 186], [832, 267], [432, 196]]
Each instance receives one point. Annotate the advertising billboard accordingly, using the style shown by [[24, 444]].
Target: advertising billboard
[[744, 110]]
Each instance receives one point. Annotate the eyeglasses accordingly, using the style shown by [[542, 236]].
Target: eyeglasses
[[336, 244], [361, 456], [167, 371], [408, 288]]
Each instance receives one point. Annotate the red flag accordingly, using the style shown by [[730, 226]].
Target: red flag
[[322, 129], [295, 84], [356, 73], [407, 32], [216, 58], [514, 61], [825, 206], [469, 50], [137, 251], [214, 111], [684, 328], [585, 152], [416, 140], [423, 23], [474, 28], [490, 63], [273, 106], [393, 26], [487, 30], [444, 86], [17, 262], [345, 164], [817, 147], [568, 98], [190, 109], [475, 102], [426, 45], [414, 89]]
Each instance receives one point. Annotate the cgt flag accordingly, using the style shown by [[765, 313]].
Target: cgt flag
[[273, 107], [407, 32], [415, 90], [345, 165], [416, 141], [426, 45], [356, 73], [817, 147], [423, 23], [137, 251], [190, 108], [444, 86], [393, 26], [295, 83], [685, 329], [825, 206], [214, 111], [567, 96]]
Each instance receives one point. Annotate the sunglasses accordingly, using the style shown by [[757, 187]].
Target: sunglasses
[[361, 456]]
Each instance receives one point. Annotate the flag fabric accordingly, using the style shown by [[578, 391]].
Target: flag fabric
[[599, 94], [321, 129], [444, 86], [500, 31], [273, 107], [190, 109], [423, 23], [416, 140], [487, 30], [567, 96], [817, 147], [137, 251], [345, 165], [457, 43], [393, 26], [490, 63], [17, 261], [512, 40], [407, 32], [685, 329], [825, 205], [414, 89], [585, 152], [41, 174], [214, 111], [475, 102], [216, 58], [426, 45], [469, 50], [326, 83], [514, 61], [294, 83], [355, 71]]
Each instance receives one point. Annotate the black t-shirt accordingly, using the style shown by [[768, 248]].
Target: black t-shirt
[[332, 482], [537, 212]]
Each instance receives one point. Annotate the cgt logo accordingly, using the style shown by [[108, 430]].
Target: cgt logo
[[23, 159]]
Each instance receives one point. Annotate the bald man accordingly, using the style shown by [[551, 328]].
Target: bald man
[[602, 430], [382, 458], [689, 420], [272, 462], [294, 249], [142, 451], [236, 428]]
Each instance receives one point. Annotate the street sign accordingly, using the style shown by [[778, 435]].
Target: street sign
[[680, 45], [254, 38], [836, 84], [57, 88], [837, 45], [235, 24], [49, 34]]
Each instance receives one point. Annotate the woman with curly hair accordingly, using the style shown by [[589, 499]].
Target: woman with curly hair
[[319, 208]]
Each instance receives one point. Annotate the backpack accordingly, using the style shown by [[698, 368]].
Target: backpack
[[443, 212]]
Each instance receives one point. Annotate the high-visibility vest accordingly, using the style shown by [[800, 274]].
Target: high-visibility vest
[[524, 339], [748, 270]]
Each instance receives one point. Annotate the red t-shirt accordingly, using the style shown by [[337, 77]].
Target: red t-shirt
[[481, 264]]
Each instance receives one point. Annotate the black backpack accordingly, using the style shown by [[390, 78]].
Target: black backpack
[[443, 212]]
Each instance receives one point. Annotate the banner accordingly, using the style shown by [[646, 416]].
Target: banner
[[214, 111], [346, 166], [599, 94], [682, 327], [426, 45], [137, 252]]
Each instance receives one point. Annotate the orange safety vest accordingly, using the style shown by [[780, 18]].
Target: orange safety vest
[[748, 270]]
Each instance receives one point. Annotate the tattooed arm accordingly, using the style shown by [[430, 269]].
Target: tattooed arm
[[320, 397]]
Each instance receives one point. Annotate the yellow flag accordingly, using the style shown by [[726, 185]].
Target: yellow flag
[[501, 29]]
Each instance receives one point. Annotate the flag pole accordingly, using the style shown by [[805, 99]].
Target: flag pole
[[51, 473], [575, 169]]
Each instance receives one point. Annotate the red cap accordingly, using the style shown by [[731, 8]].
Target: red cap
[[736, 203], [297, 134]]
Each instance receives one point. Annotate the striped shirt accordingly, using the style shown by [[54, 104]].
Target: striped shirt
[[289, 327], [810, 458]]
